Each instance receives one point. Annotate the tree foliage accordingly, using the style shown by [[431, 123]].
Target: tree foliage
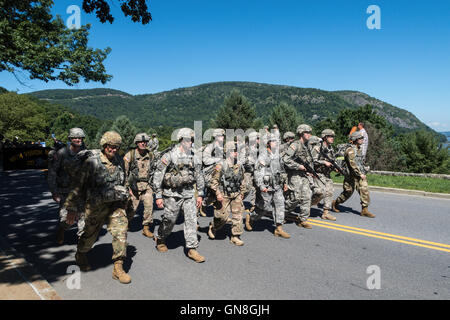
[[236, 113], [127, 130], [285, 117], [21, 117], [136, 9], [34, 41], [424, 154]]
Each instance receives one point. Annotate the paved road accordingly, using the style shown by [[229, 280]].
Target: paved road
[[410, 251]]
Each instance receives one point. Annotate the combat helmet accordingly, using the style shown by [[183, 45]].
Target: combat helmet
[[314, 140], [303, 128], [218, 133], [185, 133], [272, 137], [288, 135], [112, 138], [140, 137], [76, 133], [356, 135], [327, 132]]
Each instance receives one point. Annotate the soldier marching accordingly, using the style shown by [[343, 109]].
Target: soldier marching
[[95, 187]]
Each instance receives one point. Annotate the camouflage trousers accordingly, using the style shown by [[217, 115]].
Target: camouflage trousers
[[146, 196], [323, 191], [318, 189], [222, 210], [172, 207], [63, 216], [269, 202], [115, 217], [299, 194], [352, 183], [250, 189]]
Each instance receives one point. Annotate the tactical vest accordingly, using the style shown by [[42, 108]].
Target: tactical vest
[[68, 170], [231, 181], [106, 186], [359, 160], [133, 174], [321, 168], [179, 175]]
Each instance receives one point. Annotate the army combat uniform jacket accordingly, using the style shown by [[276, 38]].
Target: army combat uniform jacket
[[271, 176], [354, 161], [102, 187], [174, 180], [228, 181], [137, 168]]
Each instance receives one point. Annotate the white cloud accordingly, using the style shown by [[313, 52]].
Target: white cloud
[[438, 126]]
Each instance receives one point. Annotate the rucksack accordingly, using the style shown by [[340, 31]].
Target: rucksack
[[340, 155]]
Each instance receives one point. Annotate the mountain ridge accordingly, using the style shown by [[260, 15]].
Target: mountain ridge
[[181, 106]]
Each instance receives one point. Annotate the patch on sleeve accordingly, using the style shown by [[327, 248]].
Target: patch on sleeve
[[164, 160]]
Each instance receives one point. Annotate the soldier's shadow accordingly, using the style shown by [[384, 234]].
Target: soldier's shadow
[[344, 209], [265, 223], [317, 212], [100, 256]]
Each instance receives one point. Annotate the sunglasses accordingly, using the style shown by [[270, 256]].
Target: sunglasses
[[114, 147]]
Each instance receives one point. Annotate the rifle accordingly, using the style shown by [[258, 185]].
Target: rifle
[[308, 168], [333, 163]]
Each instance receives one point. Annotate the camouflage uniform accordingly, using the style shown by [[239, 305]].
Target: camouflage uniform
[[153, 144], [318, 186], [139, 167], [102, 187], [212, 155], [287, 136], [251, 156], [324, 172], [270, 175], [63, 171], [227, 180], [300, 184], [174, 180], [354, 160]]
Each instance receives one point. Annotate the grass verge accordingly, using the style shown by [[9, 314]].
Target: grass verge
[[410, 183]]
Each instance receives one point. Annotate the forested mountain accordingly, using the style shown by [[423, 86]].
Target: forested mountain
[[180, 107]]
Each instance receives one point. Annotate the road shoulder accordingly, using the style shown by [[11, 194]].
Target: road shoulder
[[19, 280]]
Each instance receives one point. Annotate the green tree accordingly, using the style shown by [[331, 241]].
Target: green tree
[[127, 131], [424, 154], [236, 113], [286, 117], [384, 152], [34, 41], [22, 117], [106, 126]]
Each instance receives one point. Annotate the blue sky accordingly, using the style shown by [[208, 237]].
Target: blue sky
[[316, 44]]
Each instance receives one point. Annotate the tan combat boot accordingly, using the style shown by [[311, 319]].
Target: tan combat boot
[[119, 274], [146, 231], [82, 261], [201, 211], [194, 255], [304, 224], [334, 206], [248, 225], [211, 232], [161, 246], [279, 232], [327, 216], [235, 240], [365, 213]]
